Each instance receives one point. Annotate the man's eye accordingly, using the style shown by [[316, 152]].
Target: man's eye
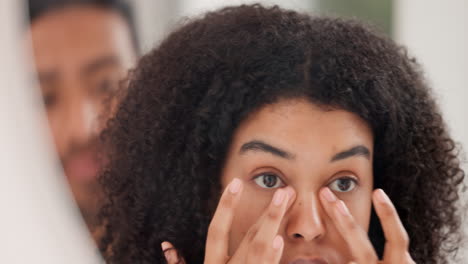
[[343, 184], [106, 86], [268, 181], [49, 99]]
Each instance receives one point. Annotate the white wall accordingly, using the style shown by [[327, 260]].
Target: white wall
[[153, 19]]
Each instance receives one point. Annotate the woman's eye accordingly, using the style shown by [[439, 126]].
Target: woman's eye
[[343, 185], [268, 181]]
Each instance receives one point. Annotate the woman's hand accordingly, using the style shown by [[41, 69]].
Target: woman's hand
[[261, 244], [397, 241]]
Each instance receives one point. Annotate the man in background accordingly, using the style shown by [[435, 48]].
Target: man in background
[[82, 50]]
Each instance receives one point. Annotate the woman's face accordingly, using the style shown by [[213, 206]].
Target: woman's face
[[295, 143]]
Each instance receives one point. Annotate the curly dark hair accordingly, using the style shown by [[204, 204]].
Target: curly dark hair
[[168, 140]]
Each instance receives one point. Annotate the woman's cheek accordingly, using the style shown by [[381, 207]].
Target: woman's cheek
[[250, 208]]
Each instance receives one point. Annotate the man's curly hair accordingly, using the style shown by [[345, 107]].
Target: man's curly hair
[[168, 140]]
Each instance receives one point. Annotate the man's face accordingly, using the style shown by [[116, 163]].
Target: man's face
[[297, 144], [81, 53]]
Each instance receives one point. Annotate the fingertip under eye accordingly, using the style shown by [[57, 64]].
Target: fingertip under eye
[[290, 192], [279, 197], [381, 197], [328, 195], [235, 186]]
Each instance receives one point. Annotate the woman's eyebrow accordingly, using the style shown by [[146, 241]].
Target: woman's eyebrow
[[258, 145], [359, 150]]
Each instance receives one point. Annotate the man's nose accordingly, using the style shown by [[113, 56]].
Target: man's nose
[[81, 120], [305, 221]]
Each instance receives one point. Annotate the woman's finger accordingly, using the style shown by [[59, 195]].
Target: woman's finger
[[242, 252], [264, 243], [218, 232], [171, 254], [356, 238], [397, 241], [275, 252]]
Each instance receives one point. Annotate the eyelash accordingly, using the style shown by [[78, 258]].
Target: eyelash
[[354, 182], [257, 179]]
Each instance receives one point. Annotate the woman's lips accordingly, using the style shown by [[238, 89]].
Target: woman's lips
[[309, 261]]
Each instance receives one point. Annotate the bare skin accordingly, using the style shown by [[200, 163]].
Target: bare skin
[[301, 178]]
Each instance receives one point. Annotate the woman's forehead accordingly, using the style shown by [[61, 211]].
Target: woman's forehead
[[294, 125]]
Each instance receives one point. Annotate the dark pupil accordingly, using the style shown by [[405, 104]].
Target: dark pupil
[[344, 184], [269, 180]]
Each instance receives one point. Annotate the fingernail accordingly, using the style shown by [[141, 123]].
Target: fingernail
[[381, 196], [166, 248], [328, 195], [342, 208], [277, 242], [279, 197], [234, 186]]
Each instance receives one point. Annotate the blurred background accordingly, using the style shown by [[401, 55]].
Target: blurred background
[[81, 54]]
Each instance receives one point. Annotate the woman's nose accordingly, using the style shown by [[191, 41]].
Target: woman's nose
[[305, 221]]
